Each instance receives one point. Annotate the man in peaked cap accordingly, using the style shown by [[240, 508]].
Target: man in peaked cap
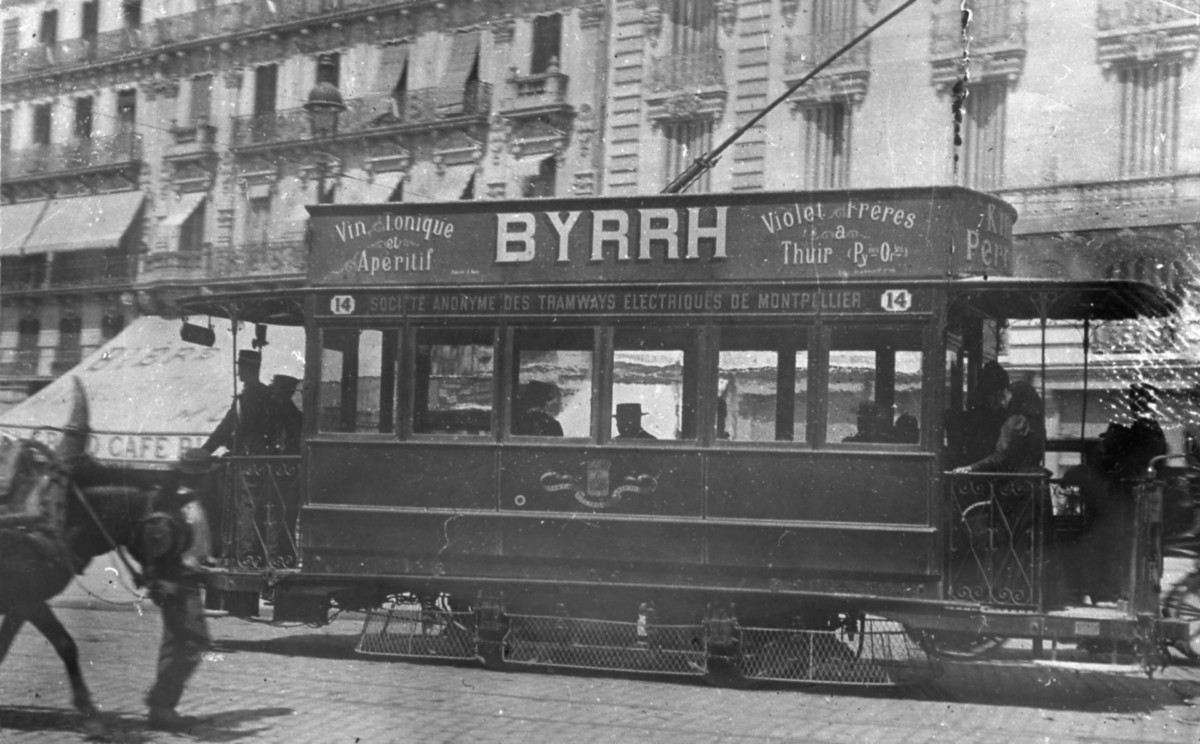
[[246, 428]]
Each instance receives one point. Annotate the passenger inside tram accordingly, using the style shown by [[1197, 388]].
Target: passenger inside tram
[[537, 406], [1021, 445], [629, 422], [874, 425]]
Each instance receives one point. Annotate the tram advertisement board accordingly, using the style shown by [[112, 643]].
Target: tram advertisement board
[[847, 235]]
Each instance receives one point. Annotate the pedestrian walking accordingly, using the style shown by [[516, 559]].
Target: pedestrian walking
[[163, 544]]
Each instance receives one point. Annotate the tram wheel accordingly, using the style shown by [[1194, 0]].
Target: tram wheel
[[1184, 603]]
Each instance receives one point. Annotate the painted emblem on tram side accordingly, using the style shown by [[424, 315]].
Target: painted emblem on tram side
[[595, 492]]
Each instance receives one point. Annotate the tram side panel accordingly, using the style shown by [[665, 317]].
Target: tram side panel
[[690, 525]]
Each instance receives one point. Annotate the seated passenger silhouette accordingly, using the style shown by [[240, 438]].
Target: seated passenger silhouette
[[873, 424], [629, 422], [537, 406], [907, 429]]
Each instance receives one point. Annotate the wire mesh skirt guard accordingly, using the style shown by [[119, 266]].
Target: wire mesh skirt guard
[[877, 652], [605, 644], [412, 630], [880, 652]]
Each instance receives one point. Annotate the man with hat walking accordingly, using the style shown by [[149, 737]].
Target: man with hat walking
[[164, 544]]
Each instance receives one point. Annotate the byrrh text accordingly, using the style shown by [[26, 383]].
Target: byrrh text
[[692, 234]]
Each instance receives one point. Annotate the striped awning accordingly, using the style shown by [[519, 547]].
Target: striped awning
[[85, 223], [17, 223]]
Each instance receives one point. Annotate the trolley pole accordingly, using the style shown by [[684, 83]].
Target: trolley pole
[[704, 162]]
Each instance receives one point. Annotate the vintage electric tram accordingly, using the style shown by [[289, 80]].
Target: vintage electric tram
[[786, 508]]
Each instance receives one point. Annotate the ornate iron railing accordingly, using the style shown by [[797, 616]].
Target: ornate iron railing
[[259, 500], [85, 152], [544, 89], [1118, 14], [997, 527], [411, 108], [993, 23], [208, 23], [19, 362], [694, 71], [806, 51], [270, 258]]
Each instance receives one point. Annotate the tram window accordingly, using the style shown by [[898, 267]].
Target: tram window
[[358, 380], [656, 370], [763, 378], [453, 376], [552, 382], [874, 391]]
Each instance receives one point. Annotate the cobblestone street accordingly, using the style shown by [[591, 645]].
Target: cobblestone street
[[269, 684]]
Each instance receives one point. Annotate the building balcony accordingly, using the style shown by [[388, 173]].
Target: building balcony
[[1134, 32], [65, 359], [273, 260], [196, 136], [845, 78], [251, 16], [427, 108], [1100, 205], [996, 35], [535, 95], [74, 270], [175, 266], [19, 362], [84, 153], [686, 86]]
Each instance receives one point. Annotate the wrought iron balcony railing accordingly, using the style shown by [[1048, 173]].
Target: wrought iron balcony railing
[[994, 23], [85, 152], [531, 92], [65, 359], [1127, 14], [809, 50], [19, 362], [414, 108], [688, 72], [166, 266], [272, 258], [208, 23]]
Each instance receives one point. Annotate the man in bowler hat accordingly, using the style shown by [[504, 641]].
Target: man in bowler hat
[[629, 422]]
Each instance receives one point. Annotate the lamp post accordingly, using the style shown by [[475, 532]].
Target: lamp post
[[324, 106]]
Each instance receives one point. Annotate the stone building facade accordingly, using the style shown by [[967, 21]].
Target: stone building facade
[[155, 148]]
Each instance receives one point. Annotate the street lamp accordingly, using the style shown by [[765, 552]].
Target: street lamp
[[324, 106]]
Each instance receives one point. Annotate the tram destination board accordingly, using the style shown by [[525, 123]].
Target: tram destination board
[[926, 233], [626, 301]]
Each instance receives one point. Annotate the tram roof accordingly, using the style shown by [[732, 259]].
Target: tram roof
[[1011, 298]]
